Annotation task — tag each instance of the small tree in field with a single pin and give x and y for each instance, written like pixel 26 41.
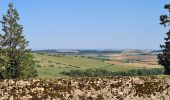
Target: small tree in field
pixel 16 61
pixel 164 58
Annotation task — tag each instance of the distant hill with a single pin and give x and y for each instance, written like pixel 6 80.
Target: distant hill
pixel 156 51
pixel 79 52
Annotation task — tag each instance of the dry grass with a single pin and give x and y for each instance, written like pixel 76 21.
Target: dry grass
pixel 140 61
pixel 111 88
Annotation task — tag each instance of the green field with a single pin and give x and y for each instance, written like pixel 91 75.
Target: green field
pixel 53 65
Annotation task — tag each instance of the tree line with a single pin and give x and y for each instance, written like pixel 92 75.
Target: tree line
pixel 107 73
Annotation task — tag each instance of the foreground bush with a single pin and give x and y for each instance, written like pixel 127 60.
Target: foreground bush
pixel 105 73
pixel 110 88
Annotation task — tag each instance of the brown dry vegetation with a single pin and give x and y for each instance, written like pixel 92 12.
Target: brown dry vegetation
pixel 140 61
pixel 113 88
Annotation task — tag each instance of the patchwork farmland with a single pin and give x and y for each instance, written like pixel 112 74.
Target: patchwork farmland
pixel 52 64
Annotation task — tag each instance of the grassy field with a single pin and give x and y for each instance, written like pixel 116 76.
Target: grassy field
pixel 53 65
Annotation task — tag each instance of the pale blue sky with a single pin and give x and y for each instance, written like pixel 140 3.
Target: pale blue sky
pixel 91 24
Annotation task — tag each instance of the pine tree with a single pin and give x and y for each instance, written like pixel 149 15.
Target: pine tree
pixel 16 61
pixel 164 58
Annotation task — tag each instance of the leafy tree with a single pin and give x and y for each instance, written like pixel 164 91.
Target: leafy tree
pixel 16 61
pixel 164 58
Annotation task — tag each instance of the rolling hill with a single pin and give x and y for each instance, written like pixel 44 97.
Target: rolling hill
pixel 52 65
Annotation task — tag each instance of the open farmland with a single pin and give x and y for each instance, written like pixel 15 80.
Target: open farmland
pixel 140 61
pixel 51 65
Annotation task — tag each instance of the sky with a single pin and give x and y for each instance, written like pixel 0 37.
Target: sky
pixel 90 24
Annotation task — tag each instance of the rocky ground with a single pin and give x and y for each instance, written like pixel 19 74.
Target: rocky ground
pixel 112 88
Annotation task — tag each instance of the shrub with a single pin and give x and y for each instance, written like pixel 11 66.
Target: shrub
pixel 105 73
pixel 41 53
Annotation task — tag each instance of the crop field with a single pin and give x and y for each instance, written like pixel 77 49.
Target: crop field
pixel 140 61
pixel 51 65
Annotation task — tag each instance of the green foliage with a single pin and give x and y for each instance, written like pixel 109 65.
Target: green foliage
pixel 16 61
pixel 105 73
pixel 164 58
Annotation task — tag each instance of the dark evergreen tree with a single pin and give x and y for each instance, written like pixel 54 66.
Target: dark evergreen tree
pixel 16 61
pixel 164 58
